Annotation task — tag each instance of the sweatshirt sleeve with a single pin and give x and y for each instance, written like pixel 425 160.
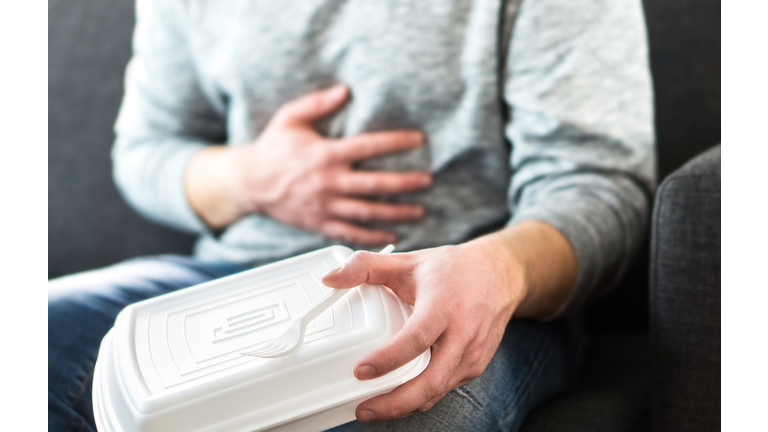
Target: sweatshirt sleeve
pixel 166 117
pixel 579 94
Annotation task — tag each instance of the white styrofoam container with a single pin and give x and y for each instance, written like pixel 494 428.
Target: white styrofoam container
pixel 173 363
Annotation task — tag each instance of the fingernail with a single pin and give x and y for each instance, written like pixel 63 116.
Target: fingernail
pixel 366 372
pixel 417 212
pixel 337 91
pixel 425 181
pixel 416 138
pixel 366 416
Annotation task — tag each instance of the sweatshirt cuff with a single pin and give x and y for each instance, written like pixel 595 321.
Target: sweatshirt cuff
pixel 174 193
pixel 151 177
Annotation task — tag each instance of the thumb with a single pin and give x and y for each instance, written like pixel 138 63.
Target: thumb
pixel 313 106
pixel 373 268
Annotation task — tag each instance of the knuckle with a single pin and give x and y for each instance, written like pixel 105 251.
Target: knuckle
pixel 473 365
pixel 365 144
pixel 402 182
pixel 363 257
pixel 467 335
pixel 373 183
pixel 475 372
pixel 408 212
pixel 364 214
pixel 424 407
pixel 412 182
pixel 330 154
pixel 319 209
pixel 472 360
pixel 324 154
pixel 322 182
pixel 420 339
pixel 363 141
pixel 392 412
pixel 432 388
pixel 287 111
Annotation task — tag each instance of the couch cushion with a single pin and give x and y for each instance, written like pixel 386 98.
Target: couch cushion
pixel 89 224
pixel 685 298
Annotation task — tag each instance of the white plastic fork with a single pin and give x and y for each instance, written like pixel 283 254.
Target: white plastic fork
pixel 292 339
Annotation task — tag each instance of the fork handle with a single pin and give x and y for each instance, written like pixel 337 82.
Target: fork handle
pixel 330 298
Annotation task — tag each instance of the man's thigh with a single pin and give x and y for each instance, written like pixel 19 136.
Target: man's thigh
pixel 534 362
pixel 83 307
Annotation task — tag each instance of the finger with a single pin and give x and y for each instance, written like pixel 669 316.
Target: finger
pixel 378 183
pixel 427 406
pixel 313 106
pixel 419 333
pixel 349 233
pixel 368 267
pixel 432 384
pixel 366 211
pixel 458 382
pixel 372 144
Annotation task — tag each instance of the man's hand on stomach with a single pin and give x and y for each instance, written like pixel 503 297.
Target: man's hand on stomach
pixel 296 176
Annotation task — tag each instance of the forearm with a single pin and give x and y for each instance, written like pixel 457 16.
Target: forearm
pixel 583 156
pixel 541 261
pixel 166 119
pixel 149 173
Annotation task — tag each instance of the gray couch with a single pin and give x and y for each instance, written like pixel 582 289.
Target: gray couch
pixel 685 297
pixel 654 358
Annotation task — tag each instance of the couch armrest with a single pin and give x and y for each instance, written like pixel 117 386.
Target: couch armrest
pixel 685 298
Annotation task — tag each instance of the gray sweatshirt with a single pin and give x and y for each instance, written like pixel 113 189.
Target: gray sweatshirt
pixel 535 111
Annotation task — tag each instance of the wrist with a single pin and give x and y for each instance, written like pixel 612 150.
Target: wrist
pixel 504 262
pixel 542 263
pixel 212 185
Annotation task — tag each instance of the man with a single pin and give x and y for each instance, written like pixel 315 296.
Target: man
pixel 507 147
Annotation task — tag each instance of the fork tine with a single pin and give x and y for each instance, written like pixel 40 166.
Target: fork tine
pixel 275 346
pixel 281 353
pixel 273 354
pixel 263 349
pixel 278 351
pixel 284 352
pixel 256 353
pixel 266 354
pixel 262 352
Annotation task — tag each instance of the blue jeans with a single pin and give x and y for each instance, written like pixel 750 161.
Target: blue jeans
pixel 534 362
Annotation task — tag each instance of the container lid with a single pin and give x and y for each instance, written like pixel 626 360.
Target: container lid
pixel 173 362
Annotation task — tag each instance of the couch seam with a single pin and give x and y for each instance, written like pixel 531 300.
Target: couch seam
pixel 653 324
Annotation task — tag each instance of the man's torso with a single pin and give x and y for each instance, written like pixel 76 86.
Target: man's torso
pixel 428 65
